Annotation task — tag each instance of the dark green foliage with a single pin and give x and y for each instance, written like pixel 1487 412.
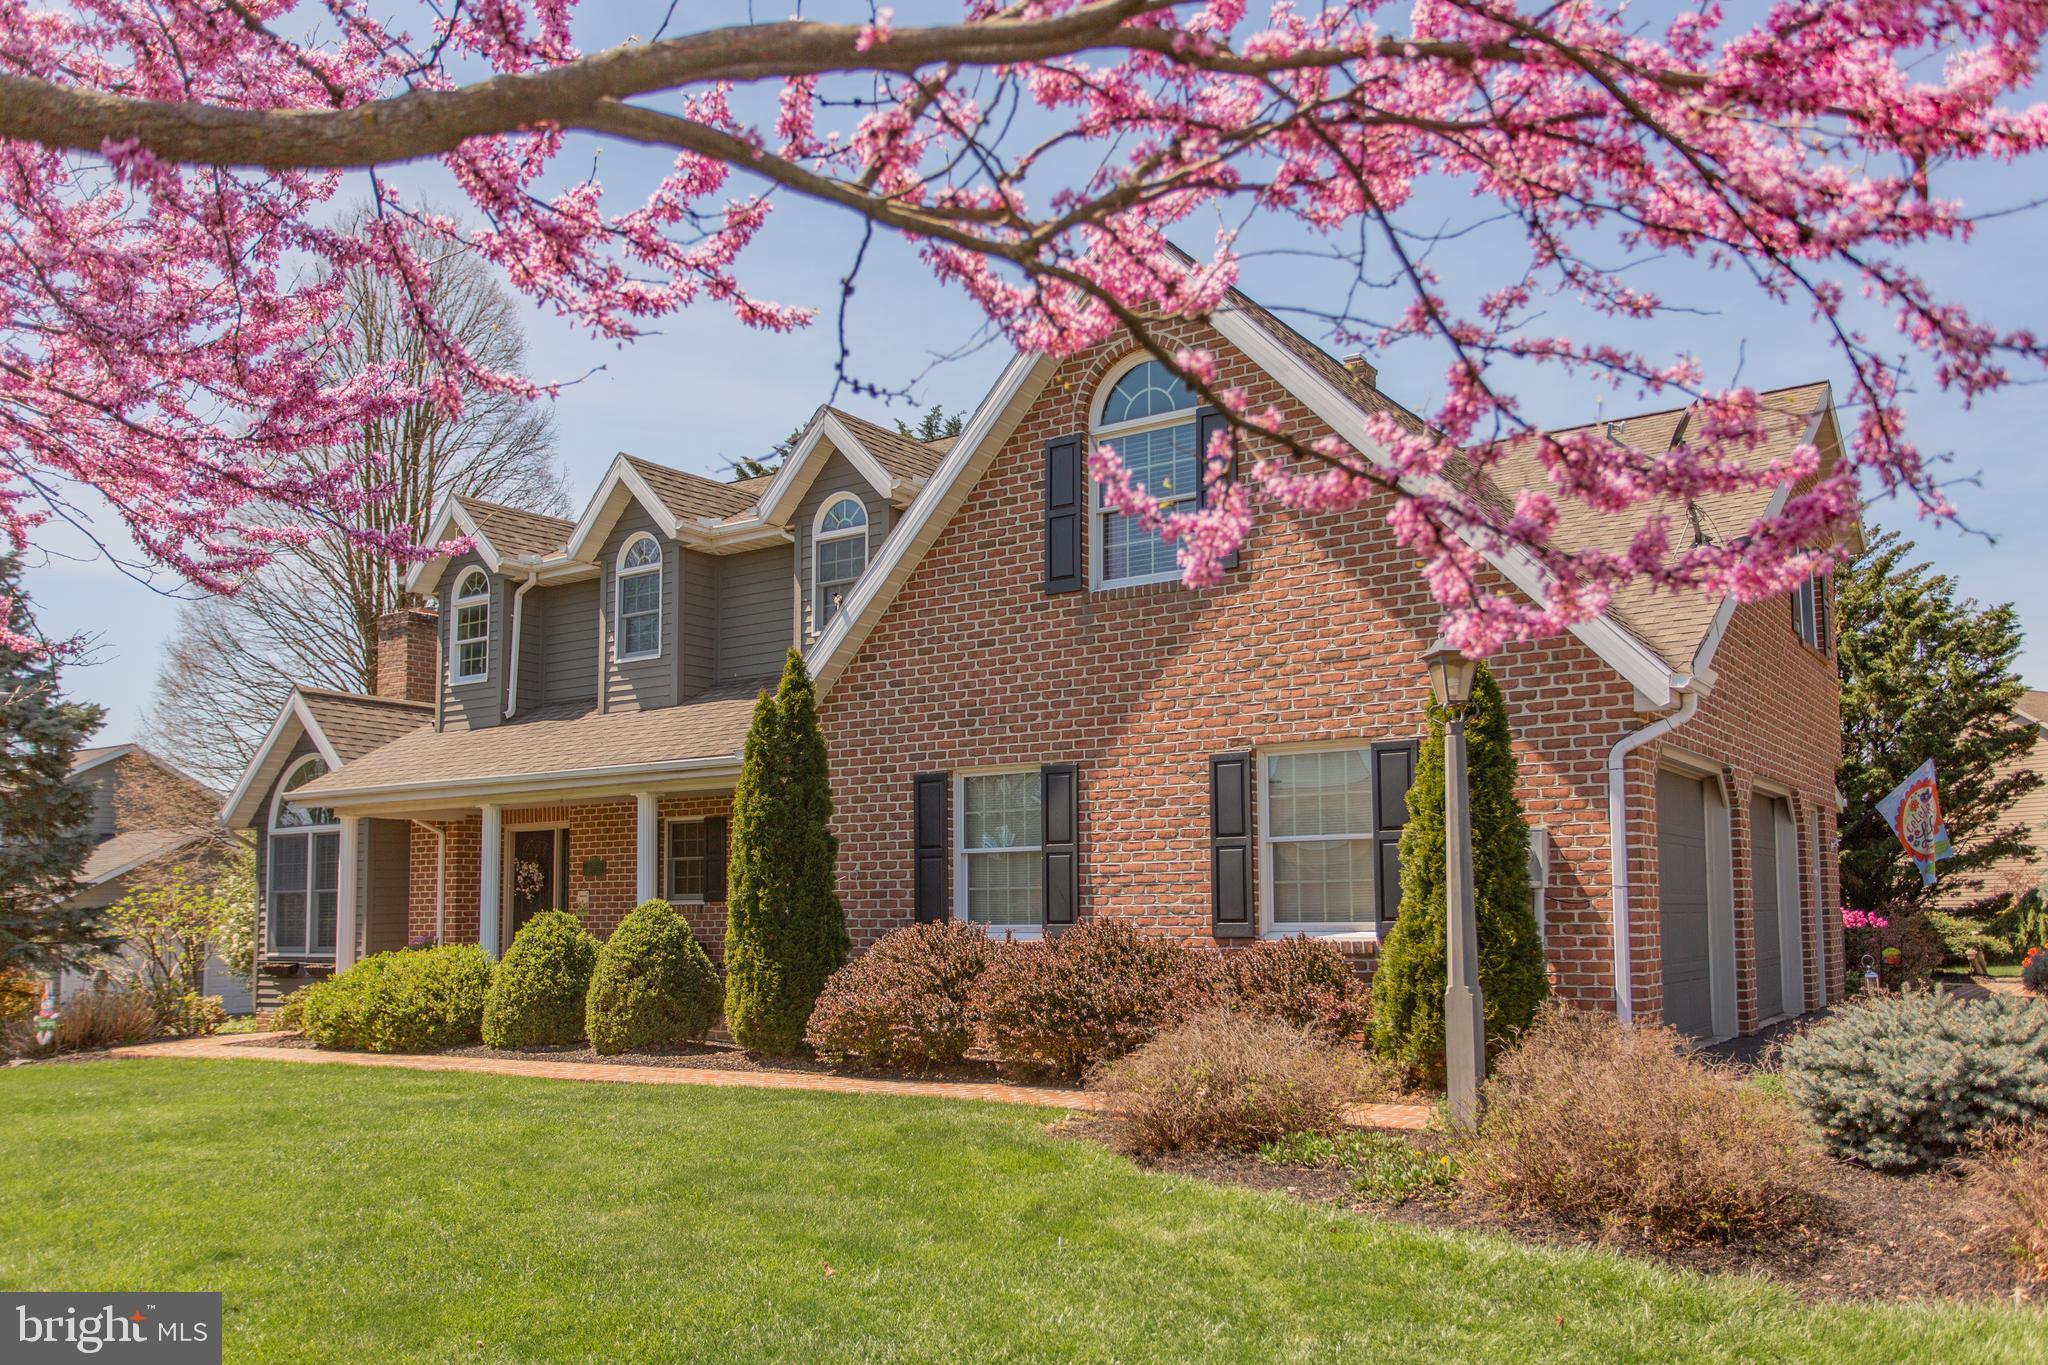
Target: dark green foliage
pixel 46 820
pixel 1959 936
pixel 1408 988
pixel 537 992
pixel 1926 674
pixel 654 987
pixel 785 932
pixel 906 1001
pixel 1903 1081
pixel 410 1001
pixel 935 425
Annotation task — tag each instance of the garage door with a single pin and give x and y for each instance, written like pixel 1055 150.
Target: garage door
pixel 1682 898
pixel 1766 917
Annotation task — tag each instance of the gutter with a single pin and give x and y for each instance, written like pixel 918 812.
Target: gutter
pixel 1617 833
pixel 469 790
pixel 512 661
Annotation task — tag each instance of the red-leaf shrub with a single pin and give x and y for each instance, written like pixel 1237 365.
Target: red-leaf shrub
pixel 905 1001
pixel 1091 993
pixel 1302 981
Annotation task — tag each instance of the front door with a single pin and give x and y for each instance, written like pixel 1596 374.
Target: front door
pixel 537 857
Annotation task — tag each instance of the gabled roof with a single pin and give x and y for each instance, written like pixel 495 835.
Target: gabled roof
pixel 122 854
pixel 343 727
pixel 692 497
pixel 2033 706
pixel 515 532
pixel 906 457
pixel 84 760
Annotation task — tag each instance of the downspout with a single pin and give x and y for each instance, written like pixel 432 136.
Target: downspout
pixel 1617 829
pixel 512 662
pixel 440 879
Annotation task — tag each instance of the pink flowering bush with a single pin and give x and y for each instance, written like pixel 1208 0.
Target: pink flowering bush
pixel 1904 948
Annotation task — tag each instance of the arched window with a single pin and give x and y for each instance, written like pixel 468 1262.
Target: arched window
pixel 302 875
pixel 473 627
pixel 839 554
pixel 639 610
pixel 1147 415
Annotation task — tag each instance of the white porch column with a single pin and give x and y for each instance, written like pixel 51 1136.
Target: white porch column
pixel 345 895
pixel 646 850
pixel 488 895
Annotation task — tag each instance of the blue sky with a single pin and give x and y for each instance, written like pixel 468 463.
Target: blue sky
pixel 705 389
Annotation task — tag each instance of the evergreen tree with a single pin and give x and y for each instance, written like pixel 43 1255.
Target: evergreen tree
pixel 936 424
pixel 785 932
pixel 1928 674
pixel 46 819
pixel 1408 987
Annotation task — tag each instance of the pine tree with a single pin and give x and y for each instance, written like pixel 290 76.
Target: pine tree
pixel 1408 987
pixel 46 818
pixel 1928 674
pixel 936 424
pixel 785 932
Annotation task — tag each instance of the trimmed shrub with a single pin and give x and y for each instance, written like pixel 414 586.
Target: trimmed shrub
pixel 1230 1080
pixel 104 1017
pixel 1303 981
pixel 905 1001
pixel 537 992
pixel 1903 1081
pixel 1959 937
pixel 405 1001
pixel 654 986
pixel 1600 1126
pixel 2005 1184
pixel 290 1014
pixel 1088 995
pixel 785 932
pixel 1408 987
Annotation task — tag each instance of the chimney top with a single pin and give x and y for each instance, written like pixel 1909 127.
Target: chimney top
pixel 408 640
pixel 1363 368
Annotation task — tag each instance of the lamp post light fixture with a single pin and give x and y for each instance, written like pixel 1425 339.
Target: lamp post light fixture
pixel 1451 676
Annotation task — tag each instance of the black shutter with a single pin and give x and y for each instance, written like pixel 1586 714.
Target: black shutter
pixel 714 859
pixel 1821 584
pixel 1065 500
pixel 1208 422
pixel 1059 813
pixel 1230 846
pixel 1393 772
pixel 933 866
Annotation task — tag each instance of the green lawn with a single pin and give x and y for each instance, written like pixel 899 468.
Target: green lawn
pixel 381 1215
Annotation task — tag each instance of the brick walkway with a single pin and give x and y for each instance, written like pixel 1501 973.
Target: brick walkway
pixel 247 1047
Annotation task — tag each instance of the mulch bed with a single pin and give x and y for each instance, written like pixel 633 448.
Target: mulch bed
pixel 1875 1237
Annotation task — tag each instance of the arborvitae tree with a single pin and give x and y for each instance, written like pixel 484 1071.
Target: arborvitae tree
pixel 785 932
pixel 1926 674
pixel 1408 988
pixel 46 818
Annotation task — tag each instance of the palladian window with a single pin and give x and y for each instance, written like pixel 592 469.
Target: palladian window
pixel 640 599
pixel 840 555
pixel 1148 417
pixel 473 627
pixel 302 879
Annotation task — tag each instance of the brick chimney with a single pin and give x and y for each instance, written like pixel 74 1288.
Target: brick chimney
pixel 1363 368
pixel 406 666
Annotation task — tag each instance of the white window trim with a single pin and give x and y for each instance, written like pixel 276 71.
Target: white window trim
pixel 1098 431
pixel 961 853
pixel 455 641
pixel 819 537
pixel 273 832
pixel 620 573
pixel 1348 931
pixel 668 865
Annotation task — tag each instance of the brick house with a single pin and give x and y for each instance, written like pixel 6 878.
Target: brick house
pixel 1030 721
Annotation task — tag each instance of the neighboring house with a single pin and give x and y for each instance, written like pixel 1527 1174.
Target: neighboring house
pixel 147 818
pixel 1031 722
pixel 2016 876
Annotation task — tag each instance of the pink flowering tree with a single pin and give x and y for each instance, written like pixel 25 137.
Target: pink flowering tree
pixel 168 308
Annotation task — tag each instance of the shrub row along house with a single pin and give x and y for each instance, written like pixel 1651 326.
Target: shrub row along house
pixel 1031 722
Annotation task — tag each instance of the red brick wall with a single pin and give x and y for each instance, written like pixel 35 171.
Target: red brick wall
pixel 1316 635
pixel 406 646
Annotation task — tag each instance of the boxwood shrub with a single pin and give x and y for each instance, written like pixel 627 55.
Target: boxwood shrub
pixel 1905 1081
pixel 537 992
pixel 905 1001
pixel 654 986
pixel 402 1002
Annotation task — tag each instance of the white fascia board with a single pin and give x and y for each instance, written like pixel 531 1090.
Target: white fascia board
pixel 451 520
pixel 1634 661
pixel 478 789
pixel 797 472
pixel 915 530
pixel 620 481
pixel 294 712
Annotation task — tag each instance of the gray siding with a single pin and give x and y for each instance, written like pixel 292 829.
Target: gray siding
pixel 755 613
pixel 563 621
pixel 836 476
pixel 640 684
pixel 700 588
pixel 472 706
pixel 102 781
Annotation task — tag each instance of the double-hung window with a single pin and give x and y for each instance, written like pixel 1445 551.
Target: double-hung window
pixel 1810 611
pixel 302 880
pixel 1000 877
pixel 840 555
pixel 1319 840
pixel 688 860
pixel 1148 416
pixel 473 627
pixel 639 609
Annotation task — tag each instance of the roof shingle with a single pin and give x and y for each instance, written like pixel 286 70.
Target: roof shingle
pixel 355 724
pixel 903 456
pixel 516 531
pixel 692 496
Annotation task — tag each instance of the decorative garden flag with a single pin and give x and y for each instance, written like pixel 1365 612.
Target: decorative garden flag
pixel 1913 810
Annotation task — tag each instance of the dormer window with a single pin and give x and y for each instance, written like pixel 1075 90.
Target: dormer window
pixel 473 627
pixel 839 555
pixel 639 589
pixel 1147 415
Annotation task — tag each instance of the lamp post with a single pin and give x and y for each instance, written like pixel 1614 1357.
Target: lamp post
pixel 1451 675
